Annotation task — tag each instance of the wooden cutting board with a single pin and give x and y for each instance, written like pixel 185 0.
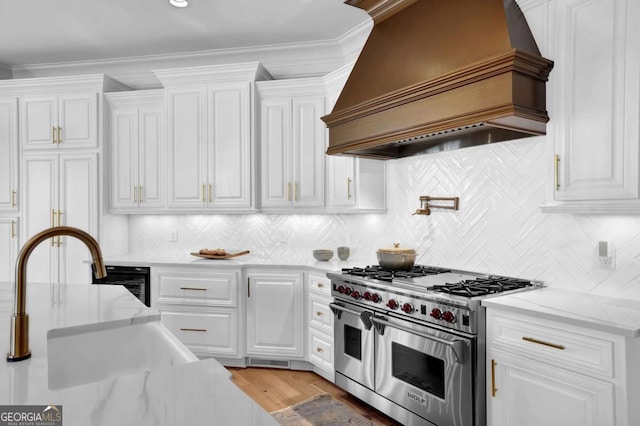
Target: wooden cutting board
pixel 226 256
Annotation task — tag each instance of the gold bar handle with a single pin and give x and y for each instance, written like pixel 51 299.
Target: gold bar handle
pixel 139 195
pixel 493 378
pixel 13 198
pixel 288 191
pixel 59 134
pixel 13 229
pixel 135 194
pixel 556 180
pixel 193 288
pixel 210 192
pixel 59 237
pixel 248 287
pixel 202 330
pixel 295 191
pixel 204 200
pixel 349 188
pixel 542 342
pixel 53 135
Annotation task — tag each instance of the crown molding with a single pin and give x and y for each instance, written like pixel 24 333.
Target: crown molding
pixel 290 60
pixel 5 72
pixel 248 71
pixel 72 83
pixel 136 98
pixel 307 86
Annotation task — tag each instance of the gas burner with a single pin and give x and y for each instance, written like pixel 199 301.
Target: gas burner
pixel 481 286
pixel 380 273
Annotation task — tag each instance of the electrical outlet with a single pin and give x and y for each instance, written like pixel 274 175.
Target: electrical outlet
pixel 604 255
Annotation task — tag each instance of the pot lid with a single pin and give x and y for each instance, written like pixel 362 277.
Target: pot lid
pixel 396 249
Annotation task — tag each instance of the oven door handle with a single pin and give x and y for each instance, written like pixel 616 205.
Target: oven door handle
pixel 456 345
pixel 365 316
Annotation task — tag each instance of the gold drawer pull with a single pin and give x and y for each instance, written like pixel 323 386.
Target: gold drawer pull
pixel 202 330
pixel 318 313
pixel 320 285
pixel 13 198
pixel 318 349
pixel 542 342
pixel 193 288
pixel 493 378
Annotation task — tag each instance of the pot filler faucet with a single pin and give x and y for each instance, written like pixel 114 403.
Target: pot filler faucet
pixel 19 339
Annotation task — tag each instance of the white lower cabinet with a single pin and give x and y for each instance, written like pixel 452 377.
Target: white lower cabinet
pixel 542 372
pixel 200 306
pixel 320 317
pixel 275 314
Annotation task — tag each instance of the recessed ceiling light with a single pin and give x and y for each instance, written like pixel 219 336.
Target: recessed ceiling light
pixel 179 3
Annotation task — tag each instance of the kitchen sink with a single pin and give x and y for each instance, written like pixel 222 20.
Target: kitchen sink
pixel 91 356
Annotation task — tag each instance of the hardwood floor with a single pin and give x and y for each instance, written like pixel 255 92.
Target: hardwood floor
pixel 275 389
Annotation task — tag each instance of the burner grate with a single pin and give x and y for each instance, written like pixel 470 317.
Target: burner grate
pixel 380 273
pixel 481 286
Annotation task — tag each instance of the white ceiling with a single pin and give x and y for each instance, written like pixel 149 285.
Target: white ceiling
pixel 54 31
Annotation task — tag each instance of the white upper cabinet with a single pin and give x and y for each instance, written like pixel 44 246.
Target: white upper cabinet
pixel 66 121
pixel 210 127
pixel 292 142
pixel 137 151
pixel 356 184
pixel 596 106
pixel 8 154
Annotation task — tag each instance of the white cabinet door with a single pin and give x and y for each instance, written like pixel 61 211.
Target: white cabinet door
pixel 66 121
pixel 275 139
pixel 596 80
pixel 308 151
pixel 59 189
pixel 356 185
pixel 8 251
pixel 187 143
pixel 532 393
pixel 124 158
pixel 275 321
pixel 340 181
pixel 39 183
pixel 150 157
pixel 229 147
pixel 8 154
pixel 77 207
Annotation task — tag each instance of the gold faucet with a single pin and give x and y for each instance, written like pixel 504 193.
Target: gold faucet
pixel 19 342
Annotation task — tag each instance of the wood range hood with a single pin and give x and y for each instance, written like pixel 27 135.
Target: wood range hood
pixel 438 75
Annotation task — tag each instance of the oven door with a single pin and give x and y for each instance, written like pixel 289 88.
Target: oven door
pixel 353 342
pixel 425 370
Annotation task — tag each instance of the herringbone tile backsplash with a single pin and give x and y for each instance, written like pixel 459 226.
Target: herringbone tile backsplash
pixel 499 228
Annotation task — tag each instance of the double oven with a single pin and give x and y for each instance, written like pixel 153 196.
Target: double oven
pixel 412 352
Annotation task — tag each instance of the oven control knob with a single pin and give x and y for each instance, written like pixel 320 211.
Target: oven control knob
pixel 347 290
pixel 376 298
pixel 436 313
pixel 393 304
pixel 356 295
pixel 341 289
pixel 367 295
pixel 407 308
pixel 448 316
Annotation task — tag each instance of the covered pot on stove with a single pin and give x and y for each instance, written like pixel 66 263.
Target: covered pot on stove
pixel 396 258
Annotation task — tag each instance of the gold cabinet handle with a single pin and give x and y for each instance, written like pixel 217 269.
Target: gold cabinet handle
pixel 53 135
pixel 542 342
pixel 556 180
pixel 318 313
pixel 59 242
pixel 318 349
pixel 202 330
pixel 320 285
pixel 349 188
pixel 295 191
pixel 203 199
pixel 13 229
pixel 493 378
pixel 288 191
pixel 210 192
pixel 13 198
pixel 193 288
pixel 248 287
pixel 59 134
pixel 139 195
pixel 135 194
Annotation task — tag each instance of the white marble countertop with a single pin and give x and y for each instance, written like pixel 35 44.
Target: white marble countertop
pixel 594 311
pixel 196 393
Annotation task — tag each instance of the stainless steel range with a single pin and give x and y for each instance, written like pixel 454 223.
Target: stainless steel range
pixel 412 343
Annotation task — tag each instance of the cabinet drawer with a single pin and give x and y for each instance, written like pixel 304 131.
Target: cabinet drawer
pixel 219 289
pixel 321 350
pixel 211 333
pixel 571 347
pixel 319 284
pixel 320 315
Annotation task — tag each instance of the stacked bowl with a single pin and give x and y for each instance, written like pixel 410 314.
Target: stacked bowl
pixel 323 254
